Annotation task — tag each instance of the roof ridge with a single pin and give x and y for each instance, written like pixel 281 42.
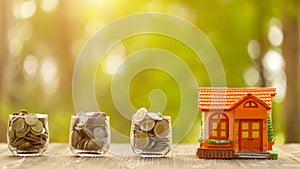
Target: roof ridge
pixel 224 98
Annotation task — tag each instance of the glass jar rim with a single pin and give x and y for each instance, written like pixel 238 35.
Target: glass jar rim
pixel 39 115
pixel 88 116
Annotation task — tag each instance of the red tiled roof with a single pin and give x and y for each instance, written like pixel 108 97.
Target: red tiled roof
pixel 226 98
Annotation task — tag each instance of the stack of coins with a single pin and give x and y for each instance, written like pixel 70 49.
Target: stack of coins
pixel 150 133
pixel 90 133
pixel 27 133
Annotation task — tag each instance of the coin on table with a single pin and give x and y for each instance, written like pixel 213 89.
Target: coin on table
pixel 147 124
pixel 31 119
pixel 154 116
pixel 141 140
pixel 140 115
pixel 37 128
pixel 19 124
pixel 161 129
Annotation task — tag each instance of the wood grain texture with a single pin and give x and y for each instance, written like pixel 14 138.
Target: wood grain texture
pixel 59 156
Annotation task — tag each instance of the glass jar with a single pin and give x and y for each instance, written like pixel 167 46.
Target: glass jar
pixel 27 133
pixel 151 136
pixel 89 134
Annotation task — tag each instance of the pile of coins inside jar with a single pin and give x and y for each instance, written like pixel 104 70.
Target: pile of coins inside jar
pixel 89 133
pixel 150 133
pixel 28 133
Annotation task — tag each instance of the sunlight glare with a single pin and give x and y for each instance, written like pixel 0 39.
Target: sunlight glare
pixel 49 5
pixel 114 58
pixel 49 75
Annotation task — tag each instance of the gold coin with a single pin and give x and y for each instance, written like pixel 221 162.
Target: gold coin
pixel 21 134
pixel 31 119
pixel 91 145
pixel 19 142
pixel 11 135
pixel 99 133
pixel 161 129
pixel 33 136
pixel 100 120
pixel 24 145
pixel 80 143
pixel 35 140
pixel 83 119
pixel 44 141
pixel 88 133
pixel 38 127
pixel 155 116
pixel 18 125
pixel 147 124
pixel 99 143
pixel 139 115
pixel 151 145
pixel 44 136
pixel 141 140
pixel 25 129
pixel 75 137
pixel 23 112
pixel 20 113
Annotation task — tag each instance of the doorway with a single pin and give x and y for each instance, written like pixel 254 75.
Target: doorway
pixel 250 135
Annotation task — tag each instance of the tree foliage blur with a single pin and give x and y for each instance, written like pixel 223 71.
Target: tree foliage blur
pixel 41 40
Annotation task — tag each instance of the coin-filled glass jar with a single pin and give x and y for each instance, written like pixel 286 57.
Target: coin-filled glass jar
pixel 27 133
pixel 89 134
pixel 151 134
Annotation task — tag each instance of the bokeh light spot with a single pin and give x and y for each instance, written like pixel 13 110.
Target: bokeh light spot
pixel 254 49
pixel 49 5
pixel 30 65
pixel 275 36
pixel 251 76
pixel 28 9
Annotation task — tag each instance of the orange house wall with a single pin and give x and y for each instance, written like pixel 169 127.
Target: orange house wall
pixel 234 124
pixel 262 115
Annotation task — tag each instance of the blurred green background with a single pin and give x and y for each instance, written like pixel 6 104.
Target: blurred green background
pixel 257 42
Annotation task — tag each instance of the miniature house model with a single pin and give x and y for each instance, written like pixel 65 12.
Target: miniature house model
pixel 236 123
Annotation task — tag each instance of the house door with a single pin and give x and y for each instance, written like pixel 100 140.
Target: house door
pixel 250 135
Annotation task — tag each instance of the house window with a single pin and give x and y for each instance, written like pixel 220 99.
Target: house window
pixel 250 104
pixel 250 130
pixel 218 126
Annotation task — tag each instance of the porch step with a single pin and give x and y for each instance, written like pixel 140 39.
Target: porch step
pixel 257 155
pixel 231 153
pixel 215 153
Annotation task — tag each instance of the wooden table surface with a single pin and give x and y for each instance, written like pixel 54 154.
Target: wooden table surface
pixel 182 156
